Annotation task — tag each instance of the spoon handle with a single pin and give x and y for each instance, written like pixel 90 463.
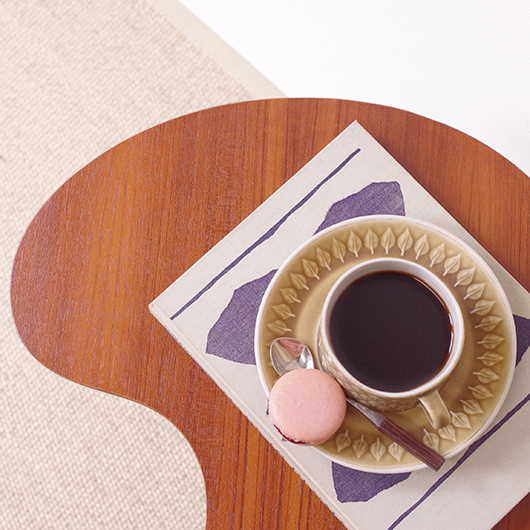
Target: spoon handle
pixel 400 436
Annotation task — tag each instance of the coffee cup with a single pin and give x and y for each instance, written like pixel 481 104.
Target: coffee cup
pixel 391 333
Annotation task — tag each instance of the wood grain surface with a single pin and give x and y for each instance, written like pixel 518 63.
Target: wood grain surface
pixel 131 222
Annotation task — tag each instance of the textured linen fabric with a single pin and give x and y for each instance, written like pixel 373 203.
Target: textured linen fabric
pixel 76 79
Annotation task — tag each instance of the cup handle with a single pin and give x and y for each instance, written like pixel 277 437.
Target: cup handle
pixel 435 410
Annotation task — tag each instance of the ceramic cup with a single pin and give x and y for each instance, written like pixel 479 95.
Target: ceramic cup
pixel 426 392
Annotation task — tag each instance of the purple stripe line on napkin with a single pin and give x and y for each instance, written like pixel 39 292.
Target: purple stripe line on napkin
pixel 472 448
pixel 265 236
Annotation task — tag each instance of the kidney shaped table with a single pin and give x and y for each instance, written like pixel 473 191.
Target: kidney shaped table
pixel 126 226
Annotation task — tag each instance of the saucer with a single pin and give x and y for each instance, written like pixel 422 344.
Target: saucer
pixel 292 306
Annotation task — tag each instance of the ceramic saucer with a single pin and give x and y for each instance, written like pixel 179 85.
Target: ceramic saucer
pixel 293 303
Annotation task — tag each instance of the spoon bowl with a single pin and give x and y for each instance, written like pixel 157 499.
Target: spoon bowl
pixel 290 354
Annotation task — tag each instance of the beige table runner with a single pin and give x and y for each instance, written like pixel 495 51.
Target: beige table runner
pixel 76 79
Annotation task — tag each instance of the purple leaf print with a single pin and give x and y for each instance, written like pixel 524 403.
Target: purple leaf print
pixel 377 198
pixel 232 336
pixel 522 328
pixel 359 486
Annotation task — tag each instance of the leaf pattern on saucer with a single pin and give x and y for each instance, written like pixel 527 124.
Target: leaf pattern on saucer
pixel 354 243
pixel 448 433
pixel 396 451
pixel 483 307
pixel 452 265
pixel 289 295
pixel 465 277
pixel 360 447
pixel 480 392
pixel 343 440
pixel 378 449
pixel 491 358
pixel 323 259
pixel 371 240
pixel 489 323
pixel 475 291
pixel 405 241
pixel 432 440
pixel 338 249
pixel 486 375
pixel 437 255
pixel 471 406
pixel 460 420
pixel 283 311
pixel 491 341
pixel 421 247
pixel 388 240
pixel 310 269
pixel 299 281
pixel 279 327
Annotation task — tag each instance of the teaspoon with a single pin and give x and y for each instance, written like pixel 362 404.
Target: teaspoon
pixel 290 354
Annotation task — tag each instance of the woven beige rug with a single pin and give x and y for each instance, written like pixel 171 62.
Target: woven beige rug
pixel 76 79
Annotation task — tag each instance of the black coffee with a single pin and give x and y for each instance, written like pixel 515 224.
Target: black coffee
pixel 391 331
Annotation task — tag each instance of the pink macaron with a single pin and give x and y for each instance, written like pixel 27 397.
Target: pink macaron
pixel 307 406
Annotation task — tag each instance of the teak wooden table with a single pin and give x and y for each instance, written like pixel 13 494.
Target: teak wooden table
pixel 131 222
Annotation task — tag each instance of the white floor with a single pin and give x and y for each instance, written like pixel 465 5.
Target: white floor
pixel 465 63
